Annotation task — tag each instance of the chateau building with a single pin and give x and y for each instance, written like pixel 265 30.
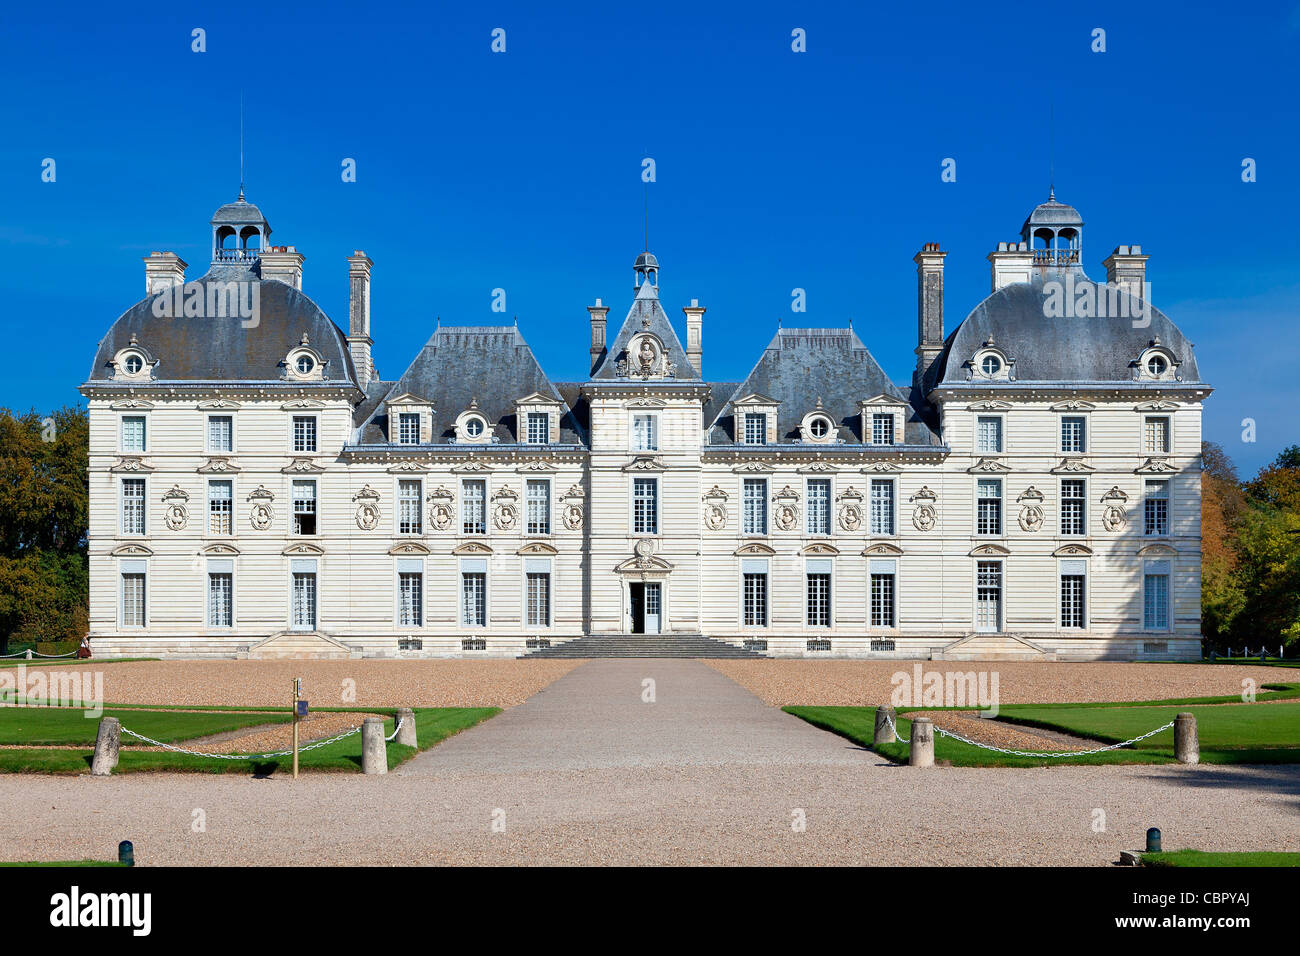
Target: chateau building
pixel 257 489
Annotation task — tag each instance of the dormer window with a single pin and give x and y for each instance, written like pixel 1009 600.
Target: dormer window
pixel 537 418
pixel 408 428
pixel 755 428
pixel 410 419
pixel 304 364
pixel 133 363
pixel 820 427
pixel 817 426
pixel 539 428
pixel 882 428
pixel 1156 363
pixel 991 365
pixel 474 427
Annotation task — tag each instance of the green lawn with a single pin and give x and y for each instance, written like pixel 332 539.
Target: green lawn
pixel 65 661
pixel 433 725
pixel 1201 858
pixel 1258 733
pixel 64 726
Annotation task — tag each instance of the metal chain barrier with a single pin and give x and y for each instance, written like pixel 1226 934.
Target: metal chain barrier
pixel 30 654
pixel 279 753
pixel 1032 753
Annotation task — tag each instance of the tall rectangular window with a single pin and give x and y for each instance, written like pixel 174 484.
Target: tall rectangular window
pixel 538 504
pixel 988 432
pixel 1074 515
pixel 133 433
pixel 819 599
pixel 304 433
pixel 1155 596
pixel 755 598
pixel 882 506
pixel 304 507
pixel 133 506
pixel 988 596
pixel 1155 435
pixel 882 599
pixel 221 433
pixel 882 428
pixel 988 518
pixel 645 506
pixel 1155 508
pixel 1072 600
pixel 819 506
pixel 303 610
pixel 645 433
pixel 473 504
pixel 221 599
pixel 1072 434
pixel 755 506
pixel 538 587
pixel 410 598
pixel 409 514
pixel 221 503
pixel 133 599
pixel 539 428
pixel 473 598
pixel 755 428
pixel 408 428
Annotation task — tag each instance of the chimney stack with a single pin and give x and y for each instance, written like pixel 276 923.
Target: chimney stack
pixel 162 270
pixel 1012 262
pixel 1126 267
pixel 929 307
pixel 597 313
pixel 283 263
pixel 694 333
pixel 359 340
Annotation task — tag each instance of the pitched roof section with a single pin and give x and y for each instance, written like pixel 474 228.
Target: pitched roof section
pixel 800 367
pixel 492 365
pixel 647 315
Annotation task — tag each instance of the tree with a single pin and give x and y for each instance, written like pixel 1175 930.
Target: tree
pixel 44 508
pixel 1222 504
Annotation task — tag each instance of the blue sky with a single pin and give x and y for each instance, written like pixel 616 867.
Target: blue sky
pixel 775 169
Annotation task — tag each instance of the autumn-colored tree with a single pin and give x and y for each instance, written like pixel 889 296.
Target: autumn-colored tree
pixel 44 504
pixel 1222 505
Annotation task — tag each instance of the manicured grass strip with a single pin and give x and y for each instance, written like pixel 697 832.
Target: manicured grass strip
pixel 67 726
pixel 858 724
pixel 1267 692
pixel 433 725
pixel 85 662
pixel 1201 858
pixel 1246 733
pixel 79 863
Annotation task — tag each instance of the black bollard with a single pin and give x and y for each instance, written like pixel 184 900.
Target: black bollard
pixel 1153 840
pixel 126 853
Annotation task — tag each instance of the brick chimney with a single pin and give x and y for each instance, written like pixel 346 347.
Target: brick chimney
pixel 694 335
pixel 162 270
pixel 359 340
pixel 929 306
pixel 1126 267
pixel 1012 262
pixel 597 313
pixel 283 263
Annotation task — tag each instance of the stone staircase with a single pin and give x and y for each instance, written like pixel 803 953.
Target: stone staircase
pixel 644 645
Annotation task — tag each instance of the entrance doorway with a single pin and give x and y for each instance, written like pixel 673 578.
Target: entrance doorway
pixel 646 600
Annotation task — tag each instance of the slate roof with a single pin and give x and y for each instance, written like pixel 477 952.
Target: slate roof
pixel 220 349
pixel 492 365
pixel 648 315
pixel 1049 350
pixel 800 366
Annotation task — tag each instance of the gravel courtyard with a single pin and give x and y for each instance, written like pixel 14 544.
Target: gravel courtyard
pixel 868 683
pixel 588 771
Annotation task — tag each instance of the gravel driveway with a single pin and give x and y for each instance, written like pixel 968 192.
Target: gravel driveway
pixel 587 773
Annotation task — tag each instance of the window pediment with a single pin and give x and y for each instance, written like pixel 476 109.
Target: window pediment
pixel 990 364
pixel 134 363
pixel 304 363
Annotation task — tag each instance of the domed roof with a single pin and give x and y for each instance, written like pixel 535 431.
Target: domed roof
pixel 223 349
pixel 1024 320
pixel 239 211
pixel 1053 213
pixel 646 261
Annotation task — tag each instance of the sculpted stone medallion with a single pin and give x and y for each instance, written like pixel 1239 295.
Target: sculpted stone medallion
pixel 924 517
pixel 851 517
pixel 260 516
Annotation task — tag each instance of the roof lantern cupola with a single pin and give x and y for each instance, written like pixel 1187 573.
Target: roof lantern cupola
pixel 1054 233
pixel 239 232
pixel 647 274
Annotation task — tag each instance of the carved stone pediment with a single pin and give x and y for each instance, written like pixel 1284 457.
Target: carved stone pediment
pixel 817 468
pixel 882 549
pixel 988 466
pixel 1072 551
pixel 407 468
pixel 989 551
pixel 131 463
pixel 366 494
pixel 880 466
pixel 302 548
pixel 218 465
pixel 538 547
pixel 819 548
pixel 176 493
pixel 752 466
pixel 575 491
pixel 925 494
pixel 471 466
pixel 261 492
pixel 131 551
pixel 220 550
pixel 1030 494
pixel 471 547
pixel 1155 466
pixel 302 466
pixel 1072 466
pixel 409 548
pixel 1073 405
pixel 644 463
pixel 849 494
pixel 1157 551
pixel 536 466
pixel 755 549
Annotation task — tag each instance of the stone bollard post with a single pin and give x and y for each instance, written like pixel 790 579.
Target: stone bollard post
pixel 1187 742
pixel 886 721
pixel 374 750
pixel 406 734
pixel 921 751
pixel 108 744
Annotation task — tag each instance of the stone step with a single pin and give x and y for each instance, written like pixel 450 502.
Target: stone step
pixel 643 645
